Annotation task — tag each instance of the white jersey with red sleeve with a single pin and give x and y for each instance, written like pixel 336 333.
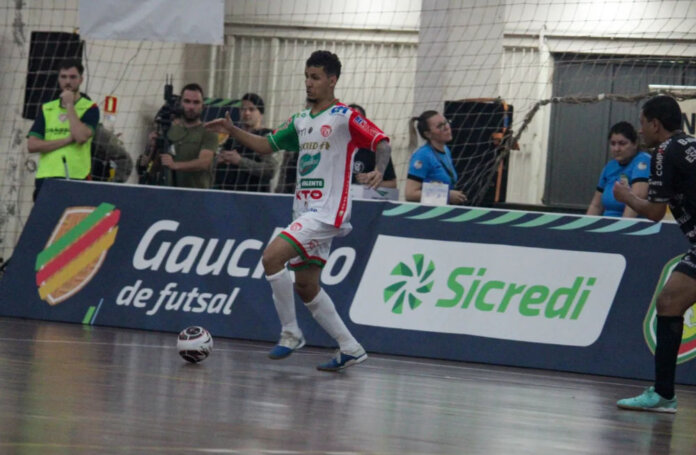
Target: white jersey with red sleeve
pixel 326 144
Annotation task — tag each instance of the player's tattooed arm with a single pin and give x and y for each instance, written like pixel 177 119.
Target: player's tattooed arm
pixel 382 155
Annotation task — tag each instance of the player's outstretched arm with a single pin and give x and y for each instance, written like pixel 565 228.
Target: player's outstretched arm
pixel 257 143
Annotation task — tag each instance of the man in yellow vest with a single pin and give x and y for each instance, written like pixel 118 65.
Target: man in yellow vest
pixel 62 131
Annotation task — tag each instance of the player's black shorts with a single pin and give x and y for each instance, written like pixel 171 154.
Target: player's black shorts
pixel 687 265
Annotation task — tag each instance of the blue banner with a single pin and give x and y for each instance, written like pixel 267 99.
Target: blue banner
pixel 519 288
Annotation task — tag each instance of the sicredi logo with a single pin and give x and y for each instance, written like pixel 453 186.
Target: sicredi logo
pixel 497 291
pixel 687 349
pixel 75 251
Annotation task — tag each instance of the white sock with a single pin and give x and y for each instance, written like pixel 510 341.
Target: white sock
pixel 284 301
pixel 324 312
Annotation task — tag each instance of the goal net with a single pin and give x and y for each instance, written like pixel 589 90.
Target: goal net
pixel 530 87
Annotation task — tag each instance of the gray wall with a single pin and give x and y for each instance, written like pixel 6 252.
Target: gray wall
pixel 578 148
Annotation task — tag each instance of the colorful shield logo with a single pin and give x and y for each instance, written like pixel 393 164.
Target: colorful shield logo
pixel 75 251
pixel 687 349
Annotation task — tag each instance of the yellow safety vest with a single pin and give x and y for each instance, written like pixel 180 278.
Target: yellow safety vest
pixel 77 156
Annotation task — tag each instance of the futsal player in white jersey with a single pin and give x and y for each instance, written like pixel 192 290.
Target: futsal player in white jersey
pixel 326 136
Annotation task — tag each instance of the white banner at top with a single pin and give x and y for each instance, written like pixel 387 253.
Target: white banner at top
pixel 180 21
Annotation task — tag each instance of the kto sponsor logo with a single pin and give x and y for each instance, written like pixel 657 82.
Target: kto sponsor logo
pixel 75 251
pixel 497 291
pixel 303 195
pixel 687 350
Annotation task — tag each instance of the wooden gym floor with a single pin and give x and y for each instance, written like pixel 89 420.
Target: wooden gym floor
pixel 71 389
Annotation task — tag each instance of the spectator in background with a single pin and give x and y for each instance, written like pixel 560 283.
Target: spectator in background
pixel 287 177
pixel 192 148
pixel 432 162
pixel 62 131
pixel 629 166
pixel 288 173
pixel 110 160
pixel 364 163
pixel 238 167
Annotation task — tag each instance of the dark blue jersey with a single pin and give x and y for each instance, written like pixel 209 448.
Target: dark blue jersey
pixel 673 180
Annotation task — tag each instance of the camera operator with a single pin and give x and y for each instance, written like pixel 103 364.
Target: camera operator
pixel 191 149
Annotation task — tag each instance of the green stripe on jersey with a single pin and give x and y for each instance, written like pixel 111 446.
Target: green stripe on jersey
pixel 285 137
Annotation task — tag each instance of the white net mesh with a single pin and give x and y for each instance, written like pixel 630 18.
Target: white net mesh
pixel 530 86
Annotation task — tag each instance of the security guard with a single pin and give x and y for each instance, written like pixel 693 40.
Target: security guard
pixel 62 131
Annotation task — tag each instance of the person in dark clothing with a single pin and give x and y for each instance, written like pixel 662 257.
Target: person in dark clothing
pixel 672 183
pixel 238 167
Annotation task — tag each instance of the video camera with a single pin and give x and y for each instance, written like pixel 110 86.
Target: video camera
pixel 169 111
pixel 153 173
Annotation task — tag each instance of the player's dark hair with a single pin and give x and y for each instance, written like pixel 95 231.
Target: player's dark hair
pixel 256 100
pixel 68 63
pixel 358 108
pixel 326 60
pixel 421 122
pixel 194 88
pixel 666 110
pixel 625 129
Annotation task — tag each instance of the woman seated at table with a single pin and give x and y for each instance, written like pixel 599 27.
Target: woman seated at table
pixel 629 165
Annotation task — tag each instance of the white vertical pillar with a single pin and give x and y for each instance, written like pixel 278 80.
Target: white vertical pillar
pixel 212 70
pixel 545 87
pixel 460 51
pixel 230 60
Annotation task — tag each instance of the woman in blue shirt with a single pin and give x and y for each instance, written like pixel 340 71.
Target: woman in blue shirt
pixel 433 161
pixel 628 166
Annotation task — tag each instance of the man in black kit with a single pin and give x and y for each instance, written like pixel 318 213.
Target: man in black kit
pixel 673 183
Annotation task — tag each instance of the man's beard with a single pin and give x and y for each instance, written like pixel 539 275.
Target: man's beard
pixel 311 100
pixel 194 117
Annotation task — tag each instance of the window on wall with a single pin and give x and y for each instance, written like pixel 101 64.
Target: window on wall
pixel 578 148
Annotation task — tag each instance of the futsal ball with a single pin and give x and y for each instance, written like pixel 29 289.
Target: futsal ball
pixel 194 344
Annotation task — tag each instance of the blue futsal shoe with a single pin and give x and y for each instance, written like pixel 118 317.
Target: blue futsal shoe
pixel 343 360
pixel 649 400
pixel 287 345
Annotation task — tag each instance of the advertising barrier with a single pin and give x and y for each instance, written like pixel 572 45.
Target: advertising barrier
pixel 530 289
